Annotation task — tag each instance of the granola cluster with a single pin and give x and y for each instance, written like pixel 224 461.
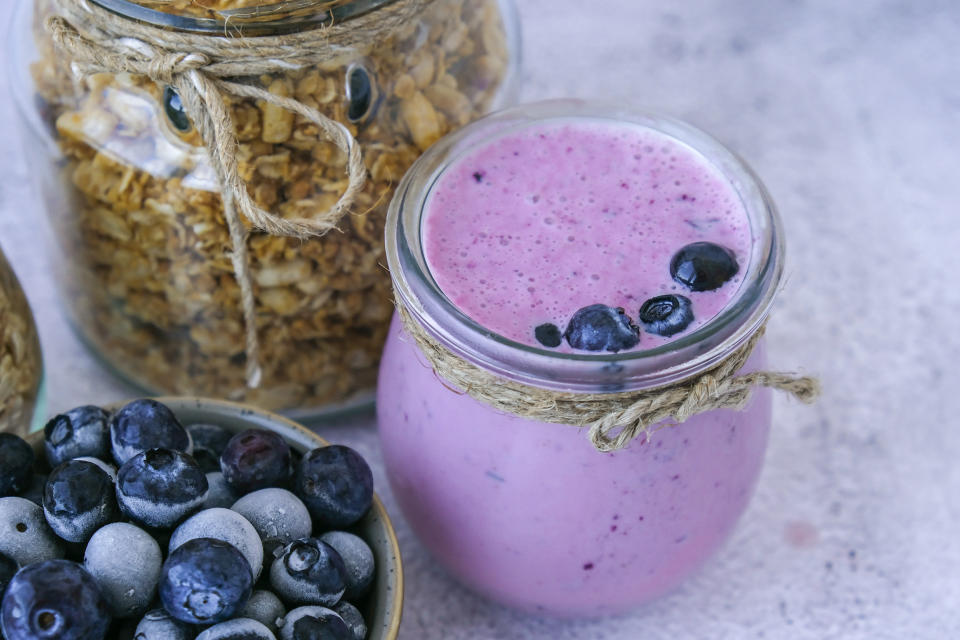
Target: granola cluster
pixel 145 247
pixel 21 366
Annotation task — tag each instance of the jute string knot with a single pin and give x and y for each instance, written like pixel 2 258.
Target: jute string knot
pixel 613 420
pixel 201 68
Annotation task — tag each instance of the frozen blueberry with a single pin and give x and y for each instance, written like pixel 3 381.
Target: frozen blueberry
pixel 548 334
pixel 352 617
pixel 256 459
pixel 703 266
pixel 34 492
pixel 79 499
pixel 209 441
pixel 125 561
pixel 598 327
pixel 146 424
pixel 314 623
pixel 160 625
pixel 205 581
pixel 265 607
pixel 222 524
pixel 238 629
pixel 160 487
pixel 25 536
pixel 666 315
pixel 16 464
pixel 8 567
pixel 357 559
pixel 83 431
pixel 219 494
pixel 308 571
pixel 278 516
pixel 54 600
pixel 336 484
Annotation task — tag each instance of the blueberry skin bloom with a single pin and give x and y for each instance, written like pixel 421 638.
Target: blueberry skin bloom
pixel 205 581
pixel 703 266
pixel 16 465
pixel 314 623
pixel 146 424
pixel 666 315
pixel 160 487
pixel 82 431
pixel 78 499
pixel 255 459
pixel 336 484
pixel 54 600
pixel 309 571
pixel 598 327
pixel 160 625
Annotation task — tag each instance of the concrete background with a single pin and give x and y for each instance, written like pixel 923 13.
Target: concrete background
pixel 850 111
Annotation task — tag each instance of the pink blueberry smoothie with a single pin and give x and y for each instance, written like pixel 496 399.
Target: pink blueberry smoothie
pixel 524 230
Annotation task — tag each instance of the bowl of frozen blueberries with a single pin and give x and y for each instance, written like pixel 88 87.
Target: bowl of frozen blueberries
pixel 191 519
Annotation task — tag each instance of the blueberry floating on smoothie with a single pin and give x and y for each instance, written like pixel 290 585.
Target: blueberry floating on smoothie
pixel 703 266
pixel 598 327
pixel 548 334
pixel 666 315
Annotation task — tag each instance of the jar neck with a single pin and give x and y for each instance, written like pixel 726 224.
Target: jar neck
pixel 684 357
pixel 271 17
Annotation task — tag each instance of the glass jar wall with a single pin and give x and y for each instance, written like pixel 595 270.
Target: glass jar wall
pixel 137 215
pixel 21 364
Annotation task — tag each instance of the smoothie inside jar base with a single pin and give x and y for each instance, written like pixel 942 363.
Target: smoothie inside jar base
pixel 524 230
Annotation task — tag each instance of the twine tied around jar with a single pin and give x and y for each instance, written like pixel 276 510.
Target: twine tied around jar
pixel 613 419
pixel 200 68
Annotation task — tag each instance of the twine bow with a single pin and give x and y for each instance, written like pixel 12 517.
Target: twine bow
pixel 198 67
pixel 613 419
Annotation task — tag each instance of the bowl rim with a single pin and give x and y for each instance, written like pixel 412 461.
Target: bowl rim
pixel 297 433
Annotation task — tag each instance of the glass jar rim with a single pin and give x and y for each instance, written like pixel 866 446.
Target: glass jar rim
pixel 271 18
pixel 582 372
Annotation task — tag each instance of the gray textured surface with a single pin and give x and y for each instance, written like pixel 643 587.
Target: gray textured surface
pixel 850 111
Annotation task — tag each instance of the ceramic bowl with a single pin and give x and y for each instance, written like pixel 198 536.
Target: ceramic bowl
pixel 382 608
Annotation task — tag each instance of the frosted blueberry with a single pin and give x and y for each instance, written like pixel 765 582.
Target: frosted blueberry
pixel 82 431
pixel 265 607
pixel 314 623
pixel 34 492
pixel 336 484
pixel 25 536
pixel 308 571
pixel 209 441
pixel 238 629
pixel 278 516
pixel 160 487
pixel 205 581
pixel 222 524
pixel 125 561
pixel 16 464
pixel 78 499
pixel 357 559
pixel 160 625
pixel 352 617
pixel 146 424
pixel 219 494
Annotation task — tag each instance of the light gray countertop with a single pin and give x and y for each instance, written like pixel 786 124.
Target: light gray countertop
pixel 850 112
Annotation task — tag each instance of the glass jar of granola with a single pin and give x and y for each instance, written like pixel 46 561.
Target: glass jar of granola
pixel 218 173
pixel 21 365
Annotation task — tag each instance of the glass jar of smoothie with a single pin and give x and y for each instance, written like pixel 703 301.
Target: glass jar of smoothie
pixel 583 250
pixel 21 363
pixel 144 246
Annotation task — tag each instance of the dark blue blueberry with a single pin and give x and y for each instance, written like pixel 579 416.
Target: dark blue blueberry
pixel 205 581
pixel 666 315
pixel 256 459
pixel 336 484
pixel 309 571
pixel 360 94
pixel 34 493
pixel 548 334
pixel 352 618
pixel 703 266
pixel 54 600
pixel 16 465
pixel 173 107
pixel 314 623
pixel 160 625
pixel 8 568
pixel 238 629
pixel 598 327
pixel 78 499
pixel 146 424
pixel 83 431
pixel 160 487
pixel 209 441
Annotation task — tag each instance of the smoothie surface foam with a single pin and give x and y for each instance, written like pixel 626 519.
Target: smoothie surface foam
pixel 531 226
